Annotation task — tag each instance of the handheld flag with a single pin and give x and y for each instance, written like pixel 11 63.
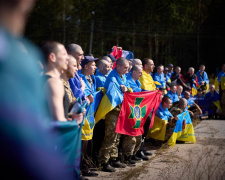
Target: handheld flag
pixel 134 111
pixel 186 134
pixel 89 122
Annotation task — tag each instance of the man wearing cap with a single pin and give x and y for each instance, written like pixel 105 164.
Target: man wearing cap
pixel 87 75
pixel 166 75
pixel 76 84
pixel 170 68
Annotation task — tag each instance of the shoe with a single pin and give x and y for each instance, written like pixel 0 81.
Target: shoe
pixel 90 174
pixel 142 156
pixel 117 164
pixel 108 168
pixel 128 160
pixel 147 153
pixel 135 158
pixel 83 178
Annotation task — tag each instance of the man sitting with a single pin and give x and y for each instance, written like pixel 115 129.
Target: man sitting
pixel 173 94
pixel 179 91
pixel 133 78
pixel 212 98
pixel 192 107
pixel 159 76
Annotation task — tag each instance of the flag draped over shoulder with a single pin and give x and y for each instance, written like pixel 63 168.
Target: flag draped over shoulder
pixel 89 122
pixel 68 143
pixel 186 134
pixel 113 95
pixel 134 111
pixel 147 82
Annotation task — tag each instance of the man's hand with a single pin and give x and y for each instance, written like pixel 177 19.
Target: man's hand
pixel 176 118
pixel 78 117
pixel 123 88
pixel 91 99
pixel 87 100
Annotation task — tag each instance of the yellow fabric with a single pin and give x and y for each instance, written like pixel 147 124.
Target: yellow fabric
pixel 187 134
pixel 147 82
pixel 217 103
pixel 104 107
pixel 87 132
pixel 216 84
pixel 159 129
pixel 194 91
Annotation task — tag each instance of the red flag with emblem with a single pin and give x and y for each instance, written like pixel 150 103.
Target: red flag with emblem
pixel 134 111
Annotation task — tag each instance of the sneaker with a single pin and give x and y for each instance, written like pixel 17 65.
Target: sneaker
pixel 142 156
pixel 90 174
pixel 135 158
pixel 108 168
pixel 117 164
pixel 147 153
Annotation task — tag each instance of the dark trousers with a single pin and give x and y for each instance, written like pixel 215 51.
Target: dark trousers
pixel 98 137
pixel 86 155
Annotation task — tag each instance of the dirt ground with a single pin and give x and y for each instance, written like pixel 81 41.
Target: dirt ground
pixel 203 160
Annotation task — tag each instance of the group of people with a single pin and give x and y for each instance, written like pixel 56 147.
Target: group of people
pixel 46 105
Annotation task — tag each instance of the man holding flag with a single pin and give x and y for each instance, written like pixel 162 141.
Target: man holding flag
pixel 109 107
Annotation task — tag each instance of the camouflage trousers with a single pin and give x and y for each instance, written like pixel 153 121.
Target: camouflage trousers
pixel 109 148
pixel 131 145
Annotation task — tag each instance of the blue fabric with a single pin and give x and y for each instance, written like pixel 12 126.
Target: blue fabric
pixel 202 78
pixel 27 144
pixel 163 114
pixel 112 84
pixel 214 97
pixel 160 79
pixel 89 89
pixel 75 86
pixel 127 54
pixel 169 74
pixel 190 103
pixel 200 100
pixel 167 78
pixel 100 80
pixel 221 74
pixel 174 97
pixel 135 85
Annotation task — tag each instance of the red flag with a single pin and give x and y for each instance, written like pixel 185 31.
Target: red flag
pixel 135 109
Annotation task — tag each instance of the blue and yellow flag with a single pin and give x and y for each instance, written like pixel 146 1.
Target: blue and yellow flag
pixel 89 122
pixel 186 134
pixel 113 96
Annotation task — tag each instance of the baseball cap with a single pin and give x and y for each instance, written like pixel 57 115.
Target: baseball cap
pixel 166 69
pixel 170 65
pixel 87 59
pixel 200 89
pixel 111 57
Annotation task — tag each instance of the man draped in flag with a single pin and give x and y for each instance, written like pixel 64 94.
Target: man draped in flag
pixel 87 75
pixel 203 80
pixel 163 122
pixel 212 102
pixel 217 83
pixel 109 107
pixel 131 144
pixel 191 80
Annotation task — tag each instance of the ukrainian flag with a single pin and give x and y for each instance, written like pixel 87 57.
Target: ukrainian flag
pixel 158 131
pixel 113 96
pixel 89 122
pixel 180 134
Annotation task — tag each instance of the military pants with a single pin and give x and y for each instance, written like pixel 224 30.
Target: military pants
pixel 131 145
pixel 109 148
